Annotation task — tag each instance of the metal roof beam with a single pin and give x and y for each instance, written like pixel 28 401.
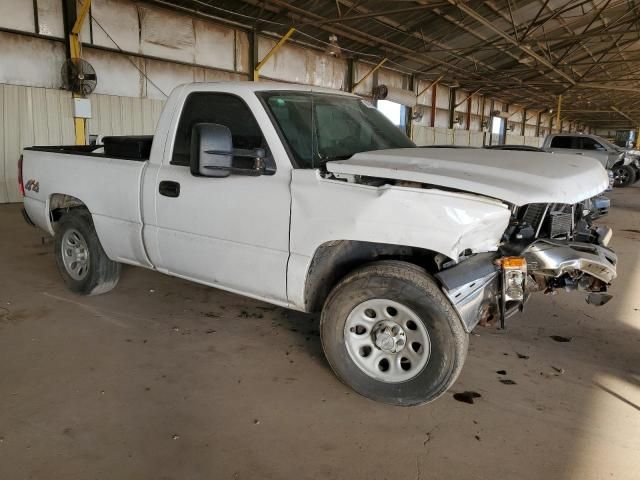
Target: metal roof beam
pixel 482 20
pixel 419 36
pixel 376 14
pixel 624 115
pixel 302 15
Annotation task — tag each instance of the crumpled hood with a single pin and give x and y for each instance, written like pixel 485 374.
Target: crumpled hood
pixel 512 176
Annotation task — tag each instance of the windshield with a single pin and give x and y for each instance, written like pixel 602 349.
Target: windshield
pixel 609 145
pixel 319 127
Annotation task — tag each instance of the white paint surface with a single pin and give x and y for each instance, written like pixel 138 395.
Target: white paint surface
pixel 516 177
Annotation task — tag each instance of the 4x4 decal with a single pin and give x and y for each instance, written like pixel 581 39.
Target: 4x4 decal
pixel 32 185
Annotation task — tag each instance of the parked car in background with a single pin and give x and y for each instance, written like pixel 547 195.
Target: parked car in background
pixel 625 166
pixel 633 157
pixel 528 148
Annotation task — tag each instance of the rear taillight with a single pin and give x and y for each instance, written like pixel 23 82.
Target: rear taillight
pixel 20 181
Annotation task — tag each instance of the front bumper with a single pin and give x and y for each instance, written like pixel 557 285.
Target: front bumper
pixel 555 258
pixel 475 286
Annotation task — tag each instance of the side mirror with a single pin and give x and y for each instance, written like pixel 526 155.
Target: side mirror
pixel 212 154
pixel 211 150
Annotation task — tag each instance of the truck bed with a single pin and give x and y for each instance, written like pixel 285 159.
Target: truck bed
pixel 109 186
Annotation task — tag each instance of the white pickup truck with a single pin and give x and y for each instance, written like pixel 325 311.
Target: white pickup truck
pixel 624 164
pixel 310 199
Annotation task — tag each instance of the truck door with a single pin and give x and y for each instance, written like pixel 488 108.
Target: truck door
pixel 228 232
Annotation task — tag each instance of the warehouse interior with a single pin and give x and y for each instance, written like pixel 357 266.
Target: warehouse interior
pixel 165 378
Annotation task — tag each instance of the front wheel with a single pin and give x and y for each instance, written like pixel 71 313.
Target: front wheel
pixel 623 176
pixel 390 333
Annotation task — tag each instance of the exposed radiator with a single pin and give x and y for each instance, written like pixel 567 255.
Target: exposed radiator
pixel 561 224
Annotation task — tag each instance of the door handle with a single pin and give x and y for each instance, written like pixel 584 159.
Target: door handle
pixel 169 189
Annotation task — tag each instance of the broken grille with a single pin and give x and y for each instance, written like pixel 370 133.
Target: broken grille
pixel 534 214
pixel 554 220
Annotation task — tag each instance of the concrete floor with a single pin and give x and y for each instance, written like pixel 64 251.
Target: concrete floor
pixel 166 379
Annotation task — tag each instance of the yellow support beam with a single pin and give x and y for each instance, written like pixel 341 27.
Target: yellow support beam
pixel 84 9
pixel 368 74
pixel 432 84
pixel 75 50
pixel 276 47
pixel 558 124
pixel 75 46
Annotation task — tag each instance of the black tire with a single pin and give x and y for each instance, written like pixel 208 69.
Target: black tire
pixel 411 286
pixel 101 274
pixel 623 176
pixel 636 171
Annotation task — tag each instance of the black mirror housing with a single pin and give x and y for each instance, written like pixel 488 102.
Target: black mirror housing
pixel 211 150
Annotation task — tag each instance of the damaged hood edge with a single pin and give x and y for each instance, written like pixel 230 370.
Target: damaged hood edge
pixel 515 177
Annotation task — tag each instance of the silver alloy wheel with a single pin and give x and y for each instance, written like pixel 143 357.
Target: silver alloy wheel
pixel 387 340
pixel 75 254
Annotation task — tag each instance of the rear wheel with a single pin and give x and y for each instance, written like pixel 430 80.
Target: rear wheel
pixel 389 333
pixel 623 176
pixel 81 260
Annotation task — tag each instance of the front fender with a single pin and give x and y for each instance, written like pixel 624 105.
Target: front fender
pixel 437 220
pixel 442 221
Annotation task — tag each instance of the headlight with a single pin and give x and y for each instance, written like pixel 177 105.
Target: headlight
pixel 513 277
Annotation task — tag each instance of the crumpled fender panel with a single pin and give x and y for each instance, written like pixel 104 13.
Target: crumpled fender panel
pixel 329 210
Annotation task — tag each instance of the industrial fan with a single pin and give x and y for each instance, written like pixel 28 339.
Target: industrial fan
pixel 78 76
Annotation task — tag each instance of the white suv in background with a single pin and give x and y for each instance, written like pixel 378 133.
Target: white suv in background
pixel 625 166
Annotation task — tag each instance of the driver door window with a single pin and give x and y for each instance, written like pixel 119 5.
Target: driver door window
pixel 221 108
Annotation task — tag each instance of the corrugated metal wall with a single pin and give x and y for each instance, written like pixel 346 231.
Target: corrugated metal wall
pixel 114 115
pixel 29 116
pixel 42 116
pixel 457 136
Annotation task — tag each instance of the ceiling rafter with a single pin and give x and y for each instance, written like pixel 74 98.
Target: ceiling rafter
pixel 519 51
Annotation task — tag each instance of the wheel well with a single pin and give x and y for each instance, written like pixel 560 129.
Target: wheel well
pixel 333 260
pixel 59 203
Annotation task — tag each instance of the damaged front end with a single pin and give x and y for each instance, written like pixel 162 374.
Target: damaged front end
pixel 546 247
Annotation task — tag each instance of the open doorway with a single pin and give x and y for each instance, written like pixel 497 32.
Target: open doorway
pixel 394 112
pixel 498 128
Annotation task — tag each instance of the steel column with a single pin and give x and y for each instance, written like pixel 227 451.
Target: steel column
pixel 558 123
pixel 73 20
pixel 434 95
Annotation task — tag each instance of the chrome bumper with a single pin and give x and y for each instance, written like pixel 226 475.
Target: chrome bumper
pixel 554 258
pixel 474 287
